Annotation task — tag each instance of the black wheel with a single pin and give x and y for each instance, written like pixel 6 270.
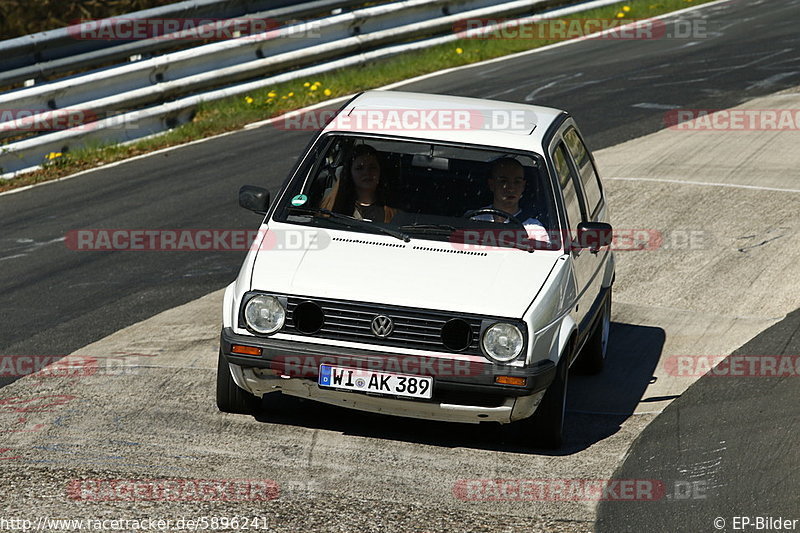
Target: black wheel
pixel 545 428
pixel 593 355
pixel 230 397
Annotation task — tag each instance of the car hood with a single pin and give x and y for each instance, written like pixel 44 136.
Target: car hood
pixel 420 274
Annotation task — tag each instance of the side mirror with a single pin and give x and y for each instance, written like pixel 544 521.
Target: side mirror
pixel 254 198
pixel 594 235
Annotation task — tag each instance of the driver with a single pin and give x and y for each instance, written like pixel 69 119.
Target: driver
pixel 507 183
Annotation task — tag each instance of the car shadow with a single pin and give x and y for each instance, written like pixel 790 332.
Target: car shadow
pixel 596 406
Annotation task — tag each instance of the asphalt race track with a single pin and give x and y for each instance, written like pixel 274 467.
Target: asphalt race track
pixel 742 450
pixel 195 187
pixel 154 317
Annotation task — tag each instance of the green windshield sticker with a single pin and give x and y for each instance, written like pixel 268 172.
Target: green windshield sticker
pixel 299 200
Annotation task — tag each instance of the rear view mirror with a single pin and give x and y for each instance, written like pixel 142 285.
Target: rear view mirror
pixel 594 235
pixel 254 198
pixel 430 162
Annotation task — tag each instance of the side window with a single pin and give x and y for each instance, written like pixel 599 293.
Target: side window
pixel 567 178
pixel 591 184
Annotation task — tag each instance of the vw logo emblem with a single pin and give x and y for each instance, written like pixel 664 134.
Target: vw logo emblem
pixel 382 326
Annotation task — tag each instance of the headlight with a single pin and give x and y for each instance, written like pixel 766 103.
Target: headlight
pixel 264 314
pixel 503 342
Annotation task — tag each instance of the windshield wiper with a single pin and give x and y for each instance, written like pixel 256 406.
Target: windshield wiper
pixel 434 229
pixel 446 229
pixel 527 247
pixel 498 239
pixel 349 221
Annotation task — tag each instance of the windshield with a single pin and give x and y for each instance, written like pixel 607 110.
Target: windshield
pixel 424 190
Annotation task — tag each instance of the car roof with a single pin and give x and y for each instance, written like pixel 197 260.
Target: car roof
pixel 483 122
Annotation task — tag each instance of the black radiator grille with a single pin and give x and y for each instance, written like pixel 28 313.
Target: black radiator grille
pixel 413 328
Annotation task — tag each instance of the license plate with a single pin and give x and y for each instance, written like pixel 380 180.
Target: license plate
pixel 359 379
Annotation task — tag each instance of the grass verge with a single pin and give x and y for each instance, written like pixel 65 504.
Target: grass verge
pixel 231 114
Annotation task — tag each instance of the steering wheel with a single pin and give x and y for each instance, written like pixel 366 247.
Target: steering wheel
pixel 492 211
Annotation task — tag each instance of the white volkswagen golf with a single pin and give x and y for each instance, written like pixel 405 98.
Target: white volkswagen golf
pixel 431 257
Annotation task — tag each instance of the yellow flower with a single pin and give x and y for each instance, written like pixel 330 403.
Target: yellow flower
pixel 306 84
pixel 53 155
pixel 248 99
pixel 327 92
pixel 317 83
pixel 290 94
pixel 626 8
pixel 459 51
pixel 314 87
pixel 272 94
pixel 269 100
pixel 620 15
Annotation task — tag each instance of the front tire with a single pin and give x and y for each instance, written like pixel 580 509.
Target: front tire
pixel 545 428
pixel 593 356
pixel 230 397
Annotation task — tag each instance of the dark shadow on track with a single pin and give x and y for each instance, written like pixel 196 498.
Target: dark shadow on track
pixel 727 447
pixel 596 406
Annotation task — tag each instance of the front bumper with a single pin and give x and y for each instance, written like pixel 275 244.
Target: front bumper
pixel 461 392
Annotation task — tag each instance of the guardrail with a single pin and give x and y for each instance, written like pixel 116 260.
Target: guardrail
pixel 179 73
pixel 42 55
pixel 352 37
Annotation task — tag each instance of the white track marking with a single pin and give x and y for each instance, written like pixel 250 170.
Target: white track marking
pixel 706 184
